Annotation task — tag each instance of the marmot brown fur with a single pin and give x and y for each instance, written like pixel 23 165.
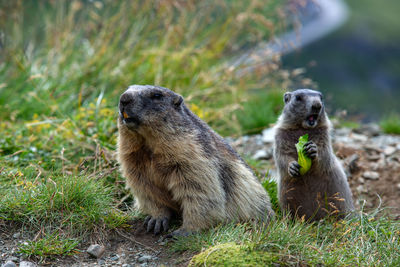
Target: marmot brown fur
pixel 324 189
pixel 175 163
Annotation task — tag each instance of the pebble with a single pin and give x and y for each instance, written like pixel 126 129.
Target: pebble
pixel 389 150
pixel 268 135
pixel 27 264
pixel 114 258
pixel 370 129
pixel 145 258
pixel 361 180
pixel 9 264
pixel 359 137
pixel 360 188
pixel 371 175
pixel 398 185
pixel 126 265
pixel 261 154
pixel 95 250
pixel 17 235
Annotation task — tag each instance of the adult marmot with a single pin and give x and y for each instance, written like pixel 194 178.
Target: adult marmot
pixel 323 190
pixel 174 162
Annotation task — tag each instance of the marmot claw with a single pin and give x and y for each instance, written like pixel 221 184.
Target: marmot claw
pixel 311 150
pixel 294 169
pixel 156 224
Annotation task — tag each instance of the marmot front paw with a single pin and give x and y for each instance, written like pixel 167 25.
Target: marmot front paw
pixel 311 150
pixel 294 169
pixel 158 224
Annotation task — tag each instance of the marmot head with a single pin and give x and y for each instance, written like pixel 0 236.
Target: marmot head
pixel 149 106
pixel 303 108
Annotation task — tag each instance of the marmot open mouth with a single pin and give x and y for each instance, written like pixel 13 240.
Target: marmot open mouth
pixel 312 119
pixel 126 119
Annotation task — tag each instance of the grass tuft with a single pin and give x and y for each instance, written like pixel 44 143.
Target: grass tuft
pixel 391 124
pixel 363 240
pixel 49 246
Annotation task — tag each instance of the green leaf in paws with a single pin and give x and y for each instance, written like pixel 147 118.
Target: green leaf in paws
pixel 303 160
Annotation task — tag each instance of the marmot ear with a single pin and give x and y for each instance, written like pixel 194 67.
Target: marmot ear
pixel 286 97
pixel 178 100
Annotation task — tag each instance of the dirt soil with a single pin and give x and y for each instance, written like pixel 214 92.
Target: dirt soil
pixel 132 247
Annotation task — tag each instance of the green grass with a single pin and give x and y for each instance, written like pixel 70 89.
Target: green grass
pixel 391 124
pixel 361 241
pixel 49 246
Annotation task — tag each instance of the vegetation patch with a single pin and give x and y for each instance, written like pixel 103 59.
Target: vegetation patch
pixel 230 254
pixel 391 124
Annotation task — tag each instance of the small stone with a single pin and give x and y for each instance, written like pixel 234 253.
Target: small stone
pixel 361 180
pixel 389 150
pixel 398 186
pixel 26 264
pixel 126 265
pixel 360 188
pixel 145 258
pixel 268 135
pixel 9 264
pixel 114 258
pixel 95 250
pixel 261 154
pixel 371 175
pixel 17 235
pixel 12 258
pixel 370 129
pixel 359 137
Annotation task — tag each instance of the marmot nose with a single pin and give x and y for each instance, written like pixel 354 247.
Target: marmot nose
pixel 316 107
pixel 125 99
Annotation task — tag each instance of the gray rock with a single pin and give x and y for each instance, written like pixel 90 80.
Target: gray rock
pixel 12 258
pixel 27 264
pixel 9 264
pixel 359 137
pixel 370 129
pixel 389 150
pixel 17 235
pixel 95 250
pixel 126 265
pixel 371 175
pixel 268 135
pixel 262 154
pixel 114 258
pixel 398 185
pixel 145 258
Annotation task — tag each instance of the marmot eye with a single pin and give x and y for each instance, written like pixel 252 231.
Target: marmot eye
pixel 156 96
pixel 299 98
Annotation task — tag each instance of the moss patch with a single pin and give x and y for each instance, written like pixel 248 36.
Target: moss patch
pixel 231 254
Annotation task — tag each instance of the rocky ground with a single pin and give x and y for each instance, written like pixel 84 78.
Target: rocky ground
pixel 371 160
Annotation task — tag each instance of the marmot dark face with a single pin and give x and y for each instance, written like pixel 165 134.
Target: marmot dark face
pixel 304 108
pixel 148 106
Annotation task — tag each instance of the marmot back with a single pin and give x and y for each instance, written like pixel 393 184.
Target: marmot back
pixel 324 189
pixel 175 163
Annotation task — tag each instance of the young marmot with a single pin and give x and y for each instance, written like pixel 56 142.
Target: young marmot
pixel 323 190
pixel 175 163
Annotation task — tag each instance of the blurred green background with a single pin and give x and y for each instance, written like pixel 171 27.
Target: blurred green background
pixel 358 66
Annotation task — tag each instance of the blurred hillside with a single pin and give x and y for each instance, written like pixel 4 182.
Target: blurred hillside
pixel 358 66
